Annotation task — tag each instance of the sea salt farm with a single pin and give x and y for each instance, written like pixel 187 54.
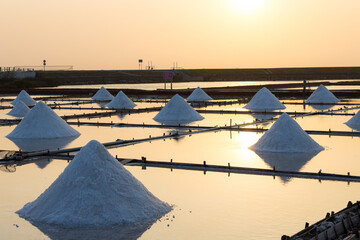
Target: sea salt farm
pixel 214 160
pixel 173 120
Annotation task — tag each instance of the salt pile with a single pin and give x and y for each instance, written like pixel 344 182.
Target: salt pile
pixel 198 95
pixel 42 122
pixel 354 122
pixel 322 95
pixel 19 110
pixel 103 95
pixel 121 101
pixel 94 190
pixel 177 110
pixel 286 135
pixel 25 97
pixel 264 100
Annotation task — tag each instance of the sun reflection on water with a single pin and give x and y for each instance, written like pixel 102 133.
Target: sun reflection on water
pixel 244 141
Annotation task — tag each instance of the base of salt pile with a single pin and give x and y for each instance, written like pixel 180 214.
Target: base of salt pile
pixel 286 135
pixel 94 190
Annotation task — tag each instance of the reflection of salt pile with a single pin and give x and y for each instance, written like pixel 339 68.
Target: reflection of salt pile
pixel 42 122
pixel 38 144
pixel 42 163
pixel 102 104
pixel 354 122
pixel 103 95
pixel 121 101
pixel 177 110
pixel 19 110
pixel 198 95
pixel 286 135
pixel 25 97
pixel 122 116
pixel 286 162
pixel 94 190
pixel 263 116
pixel 321 106
pixel 322 95
pixel 114 232
pixel 264 100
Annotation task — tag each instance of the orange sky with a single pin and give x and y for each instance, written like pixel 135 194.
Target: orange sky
pixel 114 34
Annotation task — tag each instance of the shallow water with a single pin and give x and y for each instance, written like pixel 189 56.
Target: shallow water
pixel 207 206
pixel 185 85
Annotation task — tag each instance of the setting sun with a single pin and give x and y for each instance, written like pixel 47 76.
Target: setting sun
pixel 246 6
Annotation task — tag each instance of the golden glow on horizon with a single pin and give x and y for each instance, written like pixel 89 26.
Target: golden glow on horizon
pixel 246 6
pixel 195 34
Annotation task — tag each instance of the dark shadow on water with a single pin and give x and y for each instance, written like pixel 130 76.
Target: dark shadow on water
pixel 286 161
pixel 117 232
pixel 36 144
pixel 321 106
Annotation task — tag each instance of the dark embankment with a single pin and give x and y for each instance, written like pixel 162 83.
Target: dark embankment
pixel 198 75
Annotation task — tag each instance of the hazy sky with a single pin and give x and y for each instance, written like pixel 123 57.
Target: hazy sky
pixel 114 34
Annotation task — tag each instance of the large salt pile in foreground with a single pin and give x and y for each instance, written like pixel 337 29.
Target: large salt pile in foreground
pixel 121 101
pixel 354 122
pixel 286 135
pixel 103 95
pixel 25 97
pixel 198 95
pixel 264 100
pixel 177 110
pixel 42 122
pixel 94 190
pixel 19 110
pixel 322 95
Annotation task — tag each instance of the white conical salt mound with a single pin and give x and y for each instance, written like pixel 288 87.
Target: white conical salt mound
pixel 264 100
pixel 94 190
pixel 322 95
pixel 198 95
pixel 19 110
pixel 354 122
pixel 42 122
pixel 286 135
pixel 121 101
pixel 177 110
pixel 103 95
pixel 25 97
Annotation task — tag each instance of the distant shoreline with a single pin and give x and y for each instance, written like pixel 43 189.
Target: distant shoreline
pixel 84 77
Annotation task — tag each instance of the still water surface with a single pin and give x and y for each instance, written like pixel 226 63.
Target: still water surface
pixel 211 205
